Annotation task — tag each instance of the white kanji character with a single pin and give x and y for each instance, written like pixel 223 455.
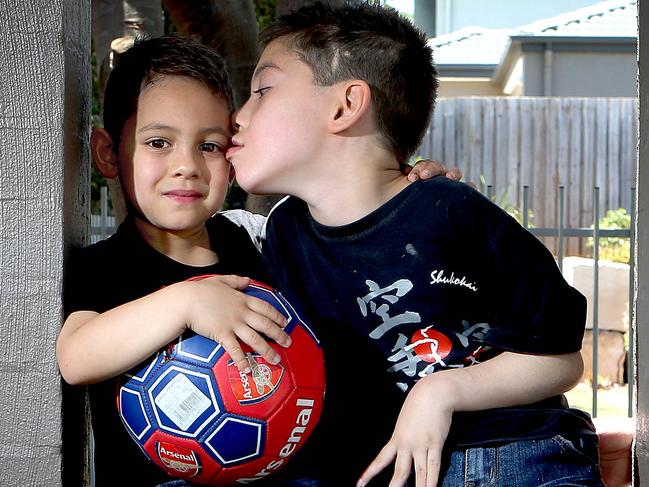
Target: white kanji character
pixel 406 358
pixel 391 294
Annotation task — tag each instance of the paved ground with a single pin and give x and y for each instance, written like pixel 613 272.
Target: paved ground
pixel 612 401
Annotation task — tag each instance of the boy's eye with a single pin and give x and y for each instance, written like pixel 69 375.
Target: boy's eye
pixel 158 143
pixel 209 147
pixel 261 91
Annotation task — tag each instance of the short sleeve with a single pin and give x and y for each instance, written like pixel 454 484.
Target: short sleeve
pixel 531 307
pixel 78 289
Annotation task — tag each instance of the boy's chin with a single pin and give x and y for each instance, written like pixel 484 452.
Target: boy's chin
pixel 249 185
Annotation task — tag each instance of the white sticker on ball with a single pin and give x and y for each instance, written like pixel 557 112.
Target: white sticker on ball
pixel 182 401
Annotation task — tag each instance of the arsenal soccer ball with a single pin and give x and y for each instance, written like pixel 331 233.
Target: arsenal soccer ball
pixel 194 415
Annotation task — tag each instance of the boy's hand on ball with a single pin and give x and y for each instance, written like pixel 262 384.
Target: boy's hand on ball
pixel 427 168
pixel 218 310
pixel 419 435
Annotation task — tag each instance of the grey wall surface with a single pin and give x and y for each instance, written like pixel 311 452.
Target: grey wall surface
pixel 642 257
pixel 594 74
pixel 44 191
pixel 582 74
pixel 533 74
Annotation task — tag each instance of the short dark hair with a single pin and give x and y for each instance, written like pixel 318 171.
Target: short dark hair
pixel 374 44
pixel 151 59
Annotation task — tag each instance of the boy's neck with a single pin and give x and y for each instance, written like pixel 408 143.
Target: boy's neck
pixel 191 247
pixel 352 185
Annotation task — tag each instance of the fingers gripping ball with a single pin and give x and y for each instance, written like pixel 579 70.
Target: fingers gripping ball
pixel 197 417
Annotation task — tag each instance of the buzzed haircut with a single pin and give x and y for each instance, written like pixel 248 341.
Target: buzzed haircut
pixel 374 44
pixel 150 60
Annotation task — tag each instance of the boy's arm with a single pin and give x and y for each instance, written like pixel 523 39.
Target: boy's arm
pixel 506 380
pixel 93 347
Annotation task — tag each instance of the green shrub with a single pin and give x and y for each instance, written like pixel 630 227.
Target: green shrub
pixel 616 249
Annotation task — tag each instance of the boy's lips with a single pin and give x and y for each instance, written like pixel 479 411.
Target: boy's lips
pixel 183 195
pixel 232 150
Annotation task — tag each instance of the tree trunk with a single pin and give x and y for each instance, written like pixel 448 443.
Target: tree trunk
pixel 107 22
pixel 112 20
pixel 285 6
pixel 228 26
pixel 143 17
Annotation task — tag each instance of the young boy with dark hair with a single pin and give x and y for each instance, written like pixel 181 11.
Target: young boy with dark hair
pixel 167 126
pixel 435 308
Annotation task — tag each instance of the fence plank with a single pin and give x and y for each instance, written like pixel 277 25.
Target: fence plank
pixel 449 131
pixel 437 134
pixel 601 150
pixel 489 136
pixel 512 153
pixel 573 186
pixel 460 131
pixel 500 142
pixel 613 163
pixel 540 188
pixel 527 160
pixel 475 138
pixel 589 164
pixel 551 175
pixel 628 144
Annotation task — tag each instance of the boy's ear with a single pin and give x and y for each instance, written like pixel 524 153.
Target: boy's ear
pixel 353 100
pixel 103 153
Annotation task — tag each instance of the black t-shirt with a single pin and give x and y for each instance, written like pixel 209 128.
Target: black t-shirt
pixel 123 268
pixel 438 277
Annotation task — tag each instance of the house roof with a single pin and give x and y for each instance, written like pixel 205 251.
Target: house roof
pixel 612 18
pixel 482 47
pixel 471 45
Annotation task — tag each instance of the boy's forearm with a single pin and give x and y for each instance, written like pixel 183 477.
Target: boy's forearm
pixel 92 348
pixel 510 379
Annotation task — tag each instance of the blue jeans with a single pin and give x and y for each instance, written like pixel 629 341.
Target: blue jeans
pixel 550 462
pixel 290 483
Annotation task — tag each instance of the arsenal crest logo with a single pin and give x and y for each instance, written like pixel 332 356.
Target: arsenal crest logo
pixel 262 381
pixel 181 460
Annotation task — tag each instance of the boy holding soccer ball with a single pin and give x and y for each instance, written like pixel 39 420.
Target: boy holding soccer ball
pixel 167 126
pixel 436 309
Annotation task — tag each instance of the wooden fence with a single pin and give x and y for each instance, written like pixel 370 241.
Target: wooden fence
pixel 543 143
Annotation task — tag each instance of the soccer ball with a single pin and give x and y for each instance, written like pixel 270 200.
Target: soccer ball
pixel 197 417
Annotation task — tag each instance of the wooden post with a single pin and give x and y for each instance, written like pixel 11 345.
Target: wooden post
pixel 44 200
pixel 641 319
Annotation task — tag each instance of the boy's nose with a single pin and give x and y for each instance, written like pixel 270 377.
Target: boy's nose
pixel 240 116
pixel 187 166
pixel 188 171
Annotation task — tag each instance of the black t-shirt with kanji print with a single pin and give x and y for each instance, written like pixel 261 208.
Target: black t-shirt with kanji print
pixel 437 278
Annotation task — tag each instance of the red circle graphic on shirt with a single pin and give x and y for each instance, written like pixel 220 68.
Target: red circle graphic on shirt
pixel 430 345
